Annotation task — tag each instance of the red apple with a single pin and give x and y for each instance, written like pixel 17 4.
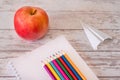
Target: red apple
pixel 31 23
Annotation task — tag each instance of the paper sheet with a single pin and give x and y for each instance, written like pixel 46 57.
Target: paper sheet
pixel 29 66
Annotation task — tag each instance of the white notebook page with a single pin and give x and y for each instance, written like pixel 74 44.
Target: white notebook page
pixel 29 66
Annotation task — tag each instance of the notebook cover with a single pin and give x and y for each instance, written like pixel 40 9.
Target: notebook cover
pixel 29 66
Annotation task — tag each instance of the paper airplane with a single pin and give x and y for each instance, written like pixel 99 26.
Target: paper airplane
pixel 95 36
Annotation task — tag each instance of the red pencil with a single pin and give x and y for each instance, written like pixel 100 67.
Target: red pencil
pixel 67 68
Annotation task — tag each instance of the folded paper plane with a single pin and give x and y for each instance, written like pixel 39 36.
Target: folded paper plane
pixel 95 36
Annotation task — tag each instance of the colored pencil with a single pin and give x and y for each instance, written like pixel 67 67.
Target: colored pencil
pixel 55 68
pixel 60 69
pixel 67 68
pixel 48 71
pixel 71 67
pixel 52 70
pixel 60 64
pixel 74 66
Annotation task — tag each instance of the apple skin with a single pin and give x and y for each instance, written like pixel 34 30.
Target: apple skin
pixel 31 23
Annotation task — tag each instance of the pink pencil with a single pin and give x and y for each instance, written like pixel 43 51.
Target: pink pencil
pixel 61 71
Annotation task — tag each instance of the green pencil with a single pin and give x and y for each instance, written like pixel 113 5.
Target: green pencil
pixel 60 64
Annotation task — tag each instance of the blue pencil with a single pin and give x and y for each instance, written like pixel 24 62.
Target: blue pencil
pixel 70 66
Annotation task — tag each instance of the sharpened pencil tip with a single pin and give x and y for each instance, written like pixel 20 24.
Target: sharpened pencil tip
pixel 42 62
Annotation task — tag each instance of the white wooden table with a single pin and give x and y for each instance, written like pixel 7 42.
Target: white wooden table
pixel 65 16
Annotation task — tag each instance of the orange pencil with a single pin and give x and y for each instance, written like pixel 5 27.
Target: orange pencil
pixel 75 67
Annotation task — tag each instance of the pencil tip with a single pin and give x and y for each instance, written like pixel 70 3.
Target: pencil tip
pixel 50 56
pixel 58 51
pixel 53 55
pixel 41 61
pixel 62 52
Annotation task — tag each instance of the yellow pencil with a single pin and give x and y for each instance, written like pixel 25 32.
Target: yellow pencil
pixel 52 70
pixel 74 66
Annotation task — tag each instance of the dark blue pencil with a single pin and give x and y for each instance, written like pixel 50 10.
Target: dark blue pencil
pixel 71 67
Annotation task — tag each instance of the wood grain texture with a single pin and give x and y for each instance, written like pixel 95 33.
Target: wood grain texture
pixel 63 5
pixel 76 37
pixel 102 63
pixel 65 17
pixel 100 78
pixel 70 19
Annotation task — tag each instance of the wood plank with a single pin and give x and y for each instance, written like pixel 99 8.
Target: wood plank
pixel 104 64
pixel 2 78
pixel 10 41
pixel 63 5
pixel 70 20
pixel 7 78
pixel 112 78
pixel 98 59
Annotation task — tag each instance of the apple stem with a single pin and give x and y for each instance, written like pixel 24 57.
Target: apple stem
pixel 33 12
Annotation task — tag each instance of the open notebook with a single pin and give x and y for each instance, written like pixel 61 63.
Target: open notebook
pixel 29 66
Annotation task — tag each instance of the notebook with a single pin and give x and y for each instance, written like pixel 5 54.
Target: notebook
pixel 30 67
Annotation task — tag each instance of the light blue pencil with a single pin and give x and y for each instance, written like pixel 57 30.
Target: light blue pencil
pixel 56 70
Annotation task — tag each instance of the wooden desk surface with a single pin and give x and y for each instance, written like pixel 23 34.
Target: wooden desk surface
pixel 65 16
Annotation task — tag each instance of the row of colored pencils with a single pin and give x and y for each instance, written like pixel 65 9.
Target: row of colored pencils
pixel 61 67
